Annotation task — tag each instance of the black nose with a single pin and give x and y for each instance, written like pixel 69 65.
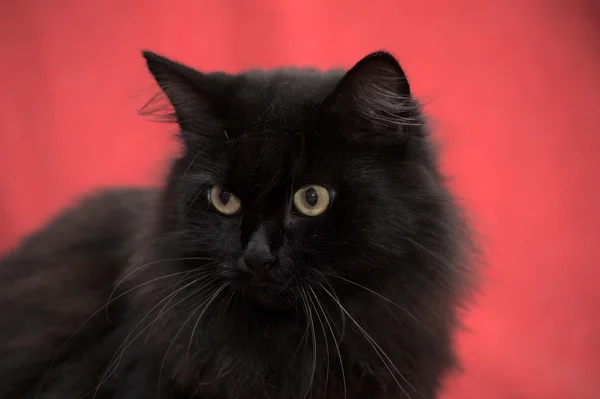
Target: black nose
pixel 259 262
pixel 258 254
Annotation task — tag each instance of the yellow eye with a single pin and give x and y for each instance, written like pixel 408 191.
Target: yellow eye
pixel 311 200
pixel 224 201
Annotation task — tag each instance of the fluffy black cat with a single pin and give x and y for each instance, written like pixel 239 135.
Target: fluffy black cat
pixel 304 245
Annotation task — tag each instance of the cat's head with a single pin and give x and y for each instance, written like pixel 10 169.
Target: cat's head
pixel 296 179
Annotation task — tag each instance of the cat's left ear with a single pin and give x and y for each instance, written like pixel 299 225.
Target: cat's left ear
pixel 374 93
pixel 198 99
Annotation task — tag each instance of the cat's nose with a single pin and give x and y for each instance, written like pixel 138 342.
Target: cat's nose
pixel 259 261
pixel 258 255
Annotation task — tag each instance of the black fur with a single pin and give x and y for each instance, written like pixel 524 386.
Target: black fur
pixel 143 293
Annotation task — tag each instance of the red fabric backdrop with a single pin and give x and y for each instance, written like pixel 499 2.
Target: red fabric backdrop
pixel 511 86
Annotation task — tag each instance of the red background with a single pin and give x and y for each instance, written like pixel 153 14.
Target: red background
pixel 511 86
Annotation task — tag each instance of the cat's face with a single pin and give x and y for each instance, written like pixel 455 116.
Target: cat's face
pixel 295 178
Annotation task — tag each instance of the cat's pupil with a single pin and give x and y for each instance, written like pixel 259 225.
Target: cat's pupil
pixel 311 196
pixel 224 197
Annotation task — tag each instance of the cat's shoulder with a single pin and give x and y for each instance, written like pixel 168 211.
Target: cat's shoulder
pixel 102 214
pixel 93 235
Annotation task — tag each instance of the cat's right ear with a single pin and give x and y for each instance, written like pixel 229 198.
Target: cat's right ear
pixel 375 95
pixel 195 98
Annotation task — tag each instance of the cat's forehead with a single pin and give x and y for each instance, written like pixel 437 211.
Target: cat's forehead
pixel 275 112
pixel 295 83
pixel 279 96
pixel 264 160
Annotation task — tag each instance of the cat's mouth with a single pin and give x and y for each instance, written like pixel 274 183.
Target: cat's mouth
pixel 262 290
pixel 267 294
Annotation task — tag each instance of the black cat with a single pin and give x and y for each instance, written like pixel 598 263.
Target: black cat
pixel 303 246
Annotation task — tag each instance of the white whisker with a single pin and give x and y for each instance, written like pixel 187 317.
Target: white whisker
pixel 380 296
pixel 324 336
pixel 146 265
pixel 207 302
pixel 105 306
pixel 125 345
pixel 377 349
pixel 314 340
pixel 162 310
pixel 342 314
pixel 337 346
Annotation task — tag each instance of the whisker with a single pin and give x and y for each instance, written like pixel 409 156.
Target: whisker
pixel 378 350
pixel 199 318
pixel 304 337
pixel 149 264
pixel 312 302
pixel 125 345
pixel 110 301
pixel 337 346
pixel 314 340
pixel 382 297
pixel 436 257
pixel 342 314
pixel 200 152
pixel 162 310
pixel 232 294
pixel 208 302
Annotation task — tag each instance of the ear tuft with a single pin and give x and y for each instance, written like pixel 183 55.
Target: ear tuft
pixel 375 92
pixel 193 96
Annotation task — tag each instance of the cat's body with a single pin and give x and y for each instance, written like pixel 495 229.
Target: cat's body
pixel 304 246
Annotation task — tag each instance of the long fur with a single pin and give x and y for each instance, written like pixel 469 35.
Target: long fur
pixel 129 293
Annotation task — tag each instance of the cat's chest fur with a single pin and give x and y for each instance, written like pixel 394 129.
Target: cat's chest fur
pixel 236 354
pixel 287 369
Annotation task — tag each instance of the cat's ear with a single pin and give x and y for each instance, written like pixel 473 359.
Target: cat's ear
pixel 196 98
pixel 375 93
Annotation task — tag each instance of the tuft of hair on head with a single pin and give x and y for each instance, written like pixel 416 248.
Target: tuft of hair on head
pixel 194 100
pixel 376 92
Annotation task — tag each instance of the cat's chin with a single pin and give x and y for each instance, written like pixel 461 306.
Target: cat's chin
pixel 270 297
